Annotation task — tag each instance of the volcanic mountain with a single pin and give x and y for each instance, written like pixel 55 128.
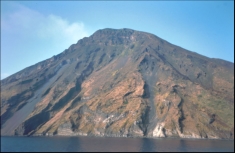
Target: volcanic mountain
pixel 121 83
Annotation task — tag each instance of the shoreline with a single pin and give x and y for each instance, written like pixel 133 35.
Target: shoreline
pixel 92 136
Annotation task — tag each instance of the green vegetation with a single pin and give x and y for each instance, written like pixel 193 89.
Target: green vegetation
pixel 125 101
pixel 26 81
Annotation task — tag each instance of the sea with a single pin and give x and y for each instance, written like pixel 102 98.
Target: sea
pixel 110 144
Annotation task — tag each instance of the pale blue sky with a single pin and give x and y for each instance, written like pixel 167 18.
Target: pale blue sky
pixel 34 31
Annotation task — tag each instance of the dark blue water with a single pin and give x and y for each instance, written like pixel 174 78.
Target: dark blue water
pixel 97 144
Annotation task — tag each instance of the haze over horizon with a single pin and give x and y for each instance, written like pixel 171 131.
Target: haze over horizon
pixel 35 31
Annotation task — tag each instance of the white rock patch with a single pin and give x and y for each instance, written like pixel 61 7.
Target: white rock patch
pixel 158 131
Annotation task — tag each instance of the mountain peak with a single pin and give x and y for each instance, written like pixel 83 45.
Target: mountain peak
pixel 121 82
pixel 109 31
pixel 112 33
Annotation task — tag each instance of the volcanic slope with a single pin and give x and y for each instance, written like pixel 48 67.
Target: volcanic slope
pixel 121 83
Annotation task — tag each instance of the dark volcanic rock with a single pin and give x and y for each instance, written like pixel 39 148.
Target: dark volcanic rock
pixel 121 83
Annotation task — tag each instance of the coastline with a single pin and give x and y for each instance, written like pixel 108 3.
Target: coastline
pixel 106 136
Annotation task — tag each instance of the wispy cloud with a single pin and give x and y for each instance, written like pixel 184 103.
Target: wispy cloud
pixel 43 26
pixel 34 36
pixel 56 28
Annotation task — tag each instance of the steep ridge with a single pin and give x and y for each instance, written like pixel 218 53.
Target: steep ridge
pixel 121 83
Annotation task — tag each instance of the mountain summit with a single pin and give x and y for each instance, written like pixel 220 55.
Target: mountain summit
pixel 121 83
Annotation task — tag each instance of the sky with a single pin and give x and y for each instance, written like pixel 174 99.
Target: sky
pixel 32 31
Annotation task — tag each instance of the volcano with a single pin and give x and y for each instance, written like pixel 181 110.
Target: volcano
pixel 121 83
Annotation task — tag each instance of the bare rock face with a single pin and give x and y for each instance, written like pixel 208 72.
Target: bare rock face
pixel 121 83
pixel 159 130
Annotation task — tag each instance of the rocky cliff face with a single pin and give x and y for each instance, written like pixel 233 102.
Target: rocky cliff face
pixel 121 83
